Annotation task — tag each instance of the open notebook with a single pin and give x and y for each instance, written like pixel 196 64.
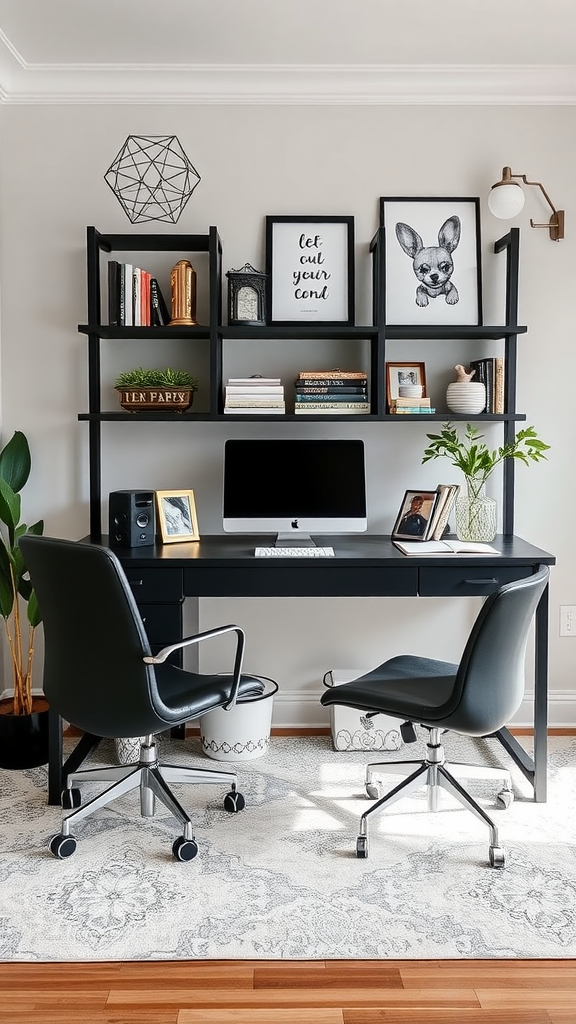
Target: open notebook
pixel 444 547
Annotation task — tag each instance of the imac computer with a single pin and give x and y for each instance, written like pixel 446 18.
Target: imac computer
pixel 294 488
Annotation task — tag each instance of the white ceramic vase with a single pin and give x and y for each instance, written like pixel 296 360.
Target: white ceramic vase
pixel 466 397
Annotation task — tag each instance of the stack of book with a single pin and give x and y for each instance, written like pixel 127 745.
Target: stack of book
pixel 134 297
pixel 438 522
pixel 319 392
pixel 491 373
pixel 255 394
pixel 409 406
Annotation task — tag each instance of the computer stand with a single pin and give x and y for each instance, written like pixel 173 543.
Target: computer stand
pixel 294 540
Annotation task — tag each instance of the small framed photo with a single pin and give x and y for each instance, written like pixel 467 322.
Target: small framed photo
pixel 414 515
pixel 310 270
pixel 402 375
pixel 432 261
pixel 177 520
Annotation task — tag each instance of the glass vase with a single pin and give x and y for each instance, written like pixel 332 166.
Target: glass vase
pixel 475 514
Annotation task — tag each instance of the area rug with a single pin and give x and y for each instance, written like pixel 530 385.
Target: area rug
pixel 281 879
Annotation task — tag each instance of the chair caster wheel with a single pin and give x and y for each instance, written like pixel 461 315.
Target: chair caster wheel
pixel 504 798
pixel 373 790
pixel 62 846
pixel 234 802
pixel 71 798
pixel 184 849
pixel 362 847
pixel 497 857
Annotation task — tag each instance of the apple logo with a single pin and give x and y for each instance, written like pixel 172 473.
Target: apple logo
pixel 294 524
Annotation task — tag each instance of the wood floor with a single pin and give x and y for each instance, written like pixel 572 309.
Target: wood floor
pixel 282 992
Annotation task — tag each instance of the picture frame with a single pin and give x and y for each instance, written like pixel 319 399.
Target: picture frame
pixel 414 515
pixel 400 373
pixel 310 270
pixel 176 516
pixel 432 261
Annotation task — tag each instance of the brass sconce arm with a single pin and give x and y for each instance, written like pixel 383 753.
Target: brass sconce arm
pixel 556 223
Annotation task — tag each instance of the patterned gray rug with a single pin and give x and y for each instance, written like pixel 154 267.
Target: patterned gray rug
pixel 281 879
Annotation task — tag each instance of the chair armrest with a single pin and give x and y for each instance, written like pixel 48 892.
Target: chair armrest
pixel 187 641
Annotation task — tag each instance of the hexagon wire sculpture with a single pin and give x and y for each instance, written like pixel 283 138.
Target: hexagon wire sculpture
pixel 152 178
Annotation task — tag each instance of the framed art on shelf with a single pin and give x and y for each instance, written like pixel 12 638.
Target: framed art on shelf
pixel 177 520
pixel 432 261
pixel 415 513
pixel 310 270
pixel 404 375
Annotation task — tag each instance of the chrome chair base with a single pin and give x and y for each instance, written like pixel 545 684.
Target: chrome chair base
pixel 433 773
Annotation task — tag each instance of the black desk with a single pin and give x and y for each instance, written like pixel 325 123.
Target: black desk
pixel 365 565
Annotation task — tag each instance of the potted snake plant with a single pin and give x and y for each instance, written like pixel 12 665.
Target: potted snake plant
pixel 23 716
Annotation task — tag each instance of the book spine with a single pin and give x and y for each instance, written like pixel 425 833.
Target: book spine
pixel 136 296
pixel 114 293
pixel 357 406
pixel 330 398
pixel 445 513
pixel 489 374
pixel 407 411
pixel 332 374
pixel 128 289
pixel 330 382
pixel 159 315
pixel 499 384
pixel 349 389
pixel 254 403
pixel 479 366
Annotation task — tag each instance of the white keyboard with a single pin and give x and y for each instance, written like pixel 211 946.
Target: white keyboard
pixel 289 552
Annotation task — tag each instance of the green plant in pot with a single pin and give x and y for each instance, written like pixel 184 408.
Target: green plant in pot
pixel 475 512
pixel 144 389
pixel 23 719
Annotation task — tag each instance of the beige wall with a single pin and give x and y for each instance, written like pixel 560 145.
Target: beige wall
pixel 262 160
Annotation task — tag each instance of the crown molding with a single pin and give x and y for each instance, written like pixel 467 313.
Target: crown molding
pixel 293 84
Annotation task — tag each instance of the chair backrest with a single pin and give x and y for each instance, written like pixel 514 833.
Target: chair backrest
pixel 94 638
pixel 490 680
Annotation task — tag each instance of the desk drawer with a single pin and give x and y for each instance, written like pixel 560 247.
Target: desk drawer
pixel 155 585
pixel 469 581
pixel 304 580
pixel 162 622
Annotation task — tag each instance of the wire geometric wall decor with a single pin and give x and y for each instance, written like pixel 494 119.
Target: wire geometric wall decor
pixel 152 178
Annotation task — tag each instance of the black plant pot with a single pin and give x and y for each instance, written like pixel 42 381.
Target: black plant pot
pixel 24 739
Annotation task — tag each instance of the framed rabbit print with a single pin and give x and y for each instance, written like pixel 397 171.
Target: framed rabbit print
pixel 432 261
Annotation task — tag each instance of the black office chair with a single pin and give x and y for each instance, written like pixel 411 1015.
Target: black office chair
pixel 475 698
pixel 100 675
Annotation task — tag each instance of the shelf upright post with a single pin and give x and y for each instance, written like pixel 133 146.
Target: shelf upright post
pixel 510 242
pixel 94 242
pixel 378 351
pixel 216 361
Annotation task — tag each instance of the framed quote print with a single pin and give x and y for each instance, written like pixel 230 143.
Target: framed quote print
pixel 432 261
pixel 310 268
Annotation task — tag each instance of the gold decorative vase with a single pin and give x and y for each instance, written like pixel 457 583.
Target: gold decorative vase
pixel 183 285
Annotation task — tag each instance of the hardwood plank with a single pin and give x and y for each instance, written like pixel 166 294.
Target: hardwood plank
pixel 446 1016
pixel 293 997
pixel 313 1016
pixel 528 998
pixel 328 976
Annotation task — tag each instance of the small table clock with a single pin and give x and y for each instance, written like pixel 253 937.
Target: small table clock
pixel 246 297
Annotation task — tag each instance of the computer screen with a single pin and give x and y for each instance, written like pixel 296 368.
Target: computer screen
pixel 294 487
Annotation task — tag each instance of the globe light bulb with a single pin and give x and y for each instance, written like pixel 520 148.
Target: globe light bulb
pixel 506 201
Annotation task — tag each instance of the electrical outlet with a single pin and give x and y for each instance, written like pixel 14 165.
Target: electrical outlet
pixel 568 620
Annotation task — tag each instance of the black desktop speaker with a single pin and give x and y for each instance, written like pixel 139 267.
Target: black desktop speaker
pixel 131 519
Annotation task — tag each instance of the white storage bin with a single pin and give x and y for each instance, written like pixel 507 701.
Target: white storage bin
pixel 352 729
pixel 243 733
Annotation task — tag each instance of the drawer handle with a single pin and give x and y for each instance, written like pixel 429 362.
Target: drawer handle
pixel 482 582
pixel 136 583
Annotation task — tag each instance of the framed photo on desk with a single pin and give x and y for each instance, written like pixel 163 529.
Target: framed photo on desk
pixel 414 516
pixel 176 513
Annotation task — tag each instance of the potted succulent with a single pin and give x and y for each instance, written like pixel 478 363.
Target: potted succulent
pixel 475 512
pixel 23 718
pixel 144 389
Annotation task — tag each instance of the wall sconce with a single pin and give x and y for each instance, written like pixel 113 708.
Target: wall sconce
pixel 506 199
